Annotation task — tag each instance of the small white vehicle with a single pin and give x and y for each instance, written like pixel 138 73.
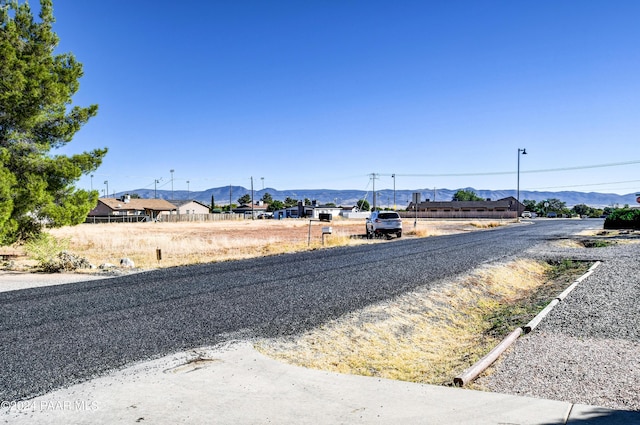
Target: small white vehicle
pixel 384 223
pixel 526 214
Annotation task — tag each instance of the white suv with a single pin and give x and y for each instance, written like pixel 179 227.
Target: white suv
pixel 384 223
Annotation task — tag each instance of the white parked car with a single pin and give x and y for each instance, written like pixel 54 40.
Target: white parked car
pixel 526 214
pixel 384 223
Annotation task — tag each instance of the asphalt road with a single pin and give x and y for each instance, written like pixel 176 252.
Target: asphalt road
pixel 57 335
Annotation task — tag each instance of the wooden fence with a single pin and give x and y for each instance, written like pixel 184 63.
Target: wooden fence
pixel 165 218
pixel 117 219
pixel 181 218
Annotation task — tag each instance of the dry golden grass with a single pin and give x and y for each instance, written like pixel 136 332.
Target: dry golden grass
pixel 486 224
pixel 427 336
pixel 426 228
pixel 203 242
pixel 199 242
pixel 569 243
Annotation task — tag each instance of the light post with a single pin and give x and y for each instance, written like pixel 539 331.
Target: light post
pixel 522 151
pixel 106 182
pixel 171 171
pixel 92 182
pixel 262 178
pixel 155 188
pixel 188 192
pixel 394 190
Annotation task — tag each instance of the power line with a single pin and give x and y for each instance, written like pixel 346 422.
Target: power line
pixel 584 185
pixel 497 173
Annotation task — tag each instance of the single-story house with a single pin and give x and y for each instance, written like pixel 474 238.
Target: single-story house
pixel 307 211
pixel 190 206
pixel 502 208
pixel 325 209
pixel 248 209
pixel 297 211
pixel 125 206
pixel 354 212
pixel 347 210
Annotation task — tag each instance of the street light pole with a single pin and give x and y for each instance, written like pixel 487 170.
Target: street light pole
pixel 394 190
pixel 106 182
pixel 522 151
pixel 155 188
pixel 188 191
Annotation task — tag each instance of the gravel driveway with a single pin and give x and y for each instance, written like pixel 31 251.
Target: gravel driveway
pixel 587 350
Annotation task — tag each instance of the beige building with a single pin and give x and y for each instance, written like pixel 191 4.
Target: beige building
pixel 502 208
pixel 189 206
pixel 126 209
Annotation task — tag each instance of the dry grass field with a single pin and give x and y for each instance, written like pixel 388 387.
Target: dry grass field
pixel 203 242
pixel 427 336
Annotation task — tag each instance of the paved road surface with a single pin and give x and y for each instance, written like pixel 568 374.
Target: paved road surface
pixel 58 335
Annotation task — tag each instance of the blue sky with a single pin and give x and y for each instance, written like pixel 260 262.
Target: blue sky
pixel 321 94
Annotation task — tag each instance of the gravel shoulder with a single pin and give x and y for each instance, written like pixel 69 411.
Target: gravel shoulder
pixel 16 280
pixel 12 281
pixel 587 350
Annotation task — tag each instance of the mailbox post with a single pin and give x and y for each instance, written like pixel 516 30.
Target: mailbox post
pixel 325 230
pixel 416 201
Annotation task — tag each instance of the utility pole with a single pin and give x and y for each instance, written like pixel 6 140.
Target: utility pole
pixel 229 198
pixel 106 182
pixel 374 176
pixel 171 171
pixel 252 216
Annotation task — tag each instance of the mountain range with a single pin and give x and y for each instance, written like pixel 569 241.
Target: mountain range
pixel 385 197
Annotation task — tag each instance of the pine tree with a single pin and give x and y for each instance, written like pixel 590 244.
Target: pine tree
pixel 244 199
pixel 36 117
